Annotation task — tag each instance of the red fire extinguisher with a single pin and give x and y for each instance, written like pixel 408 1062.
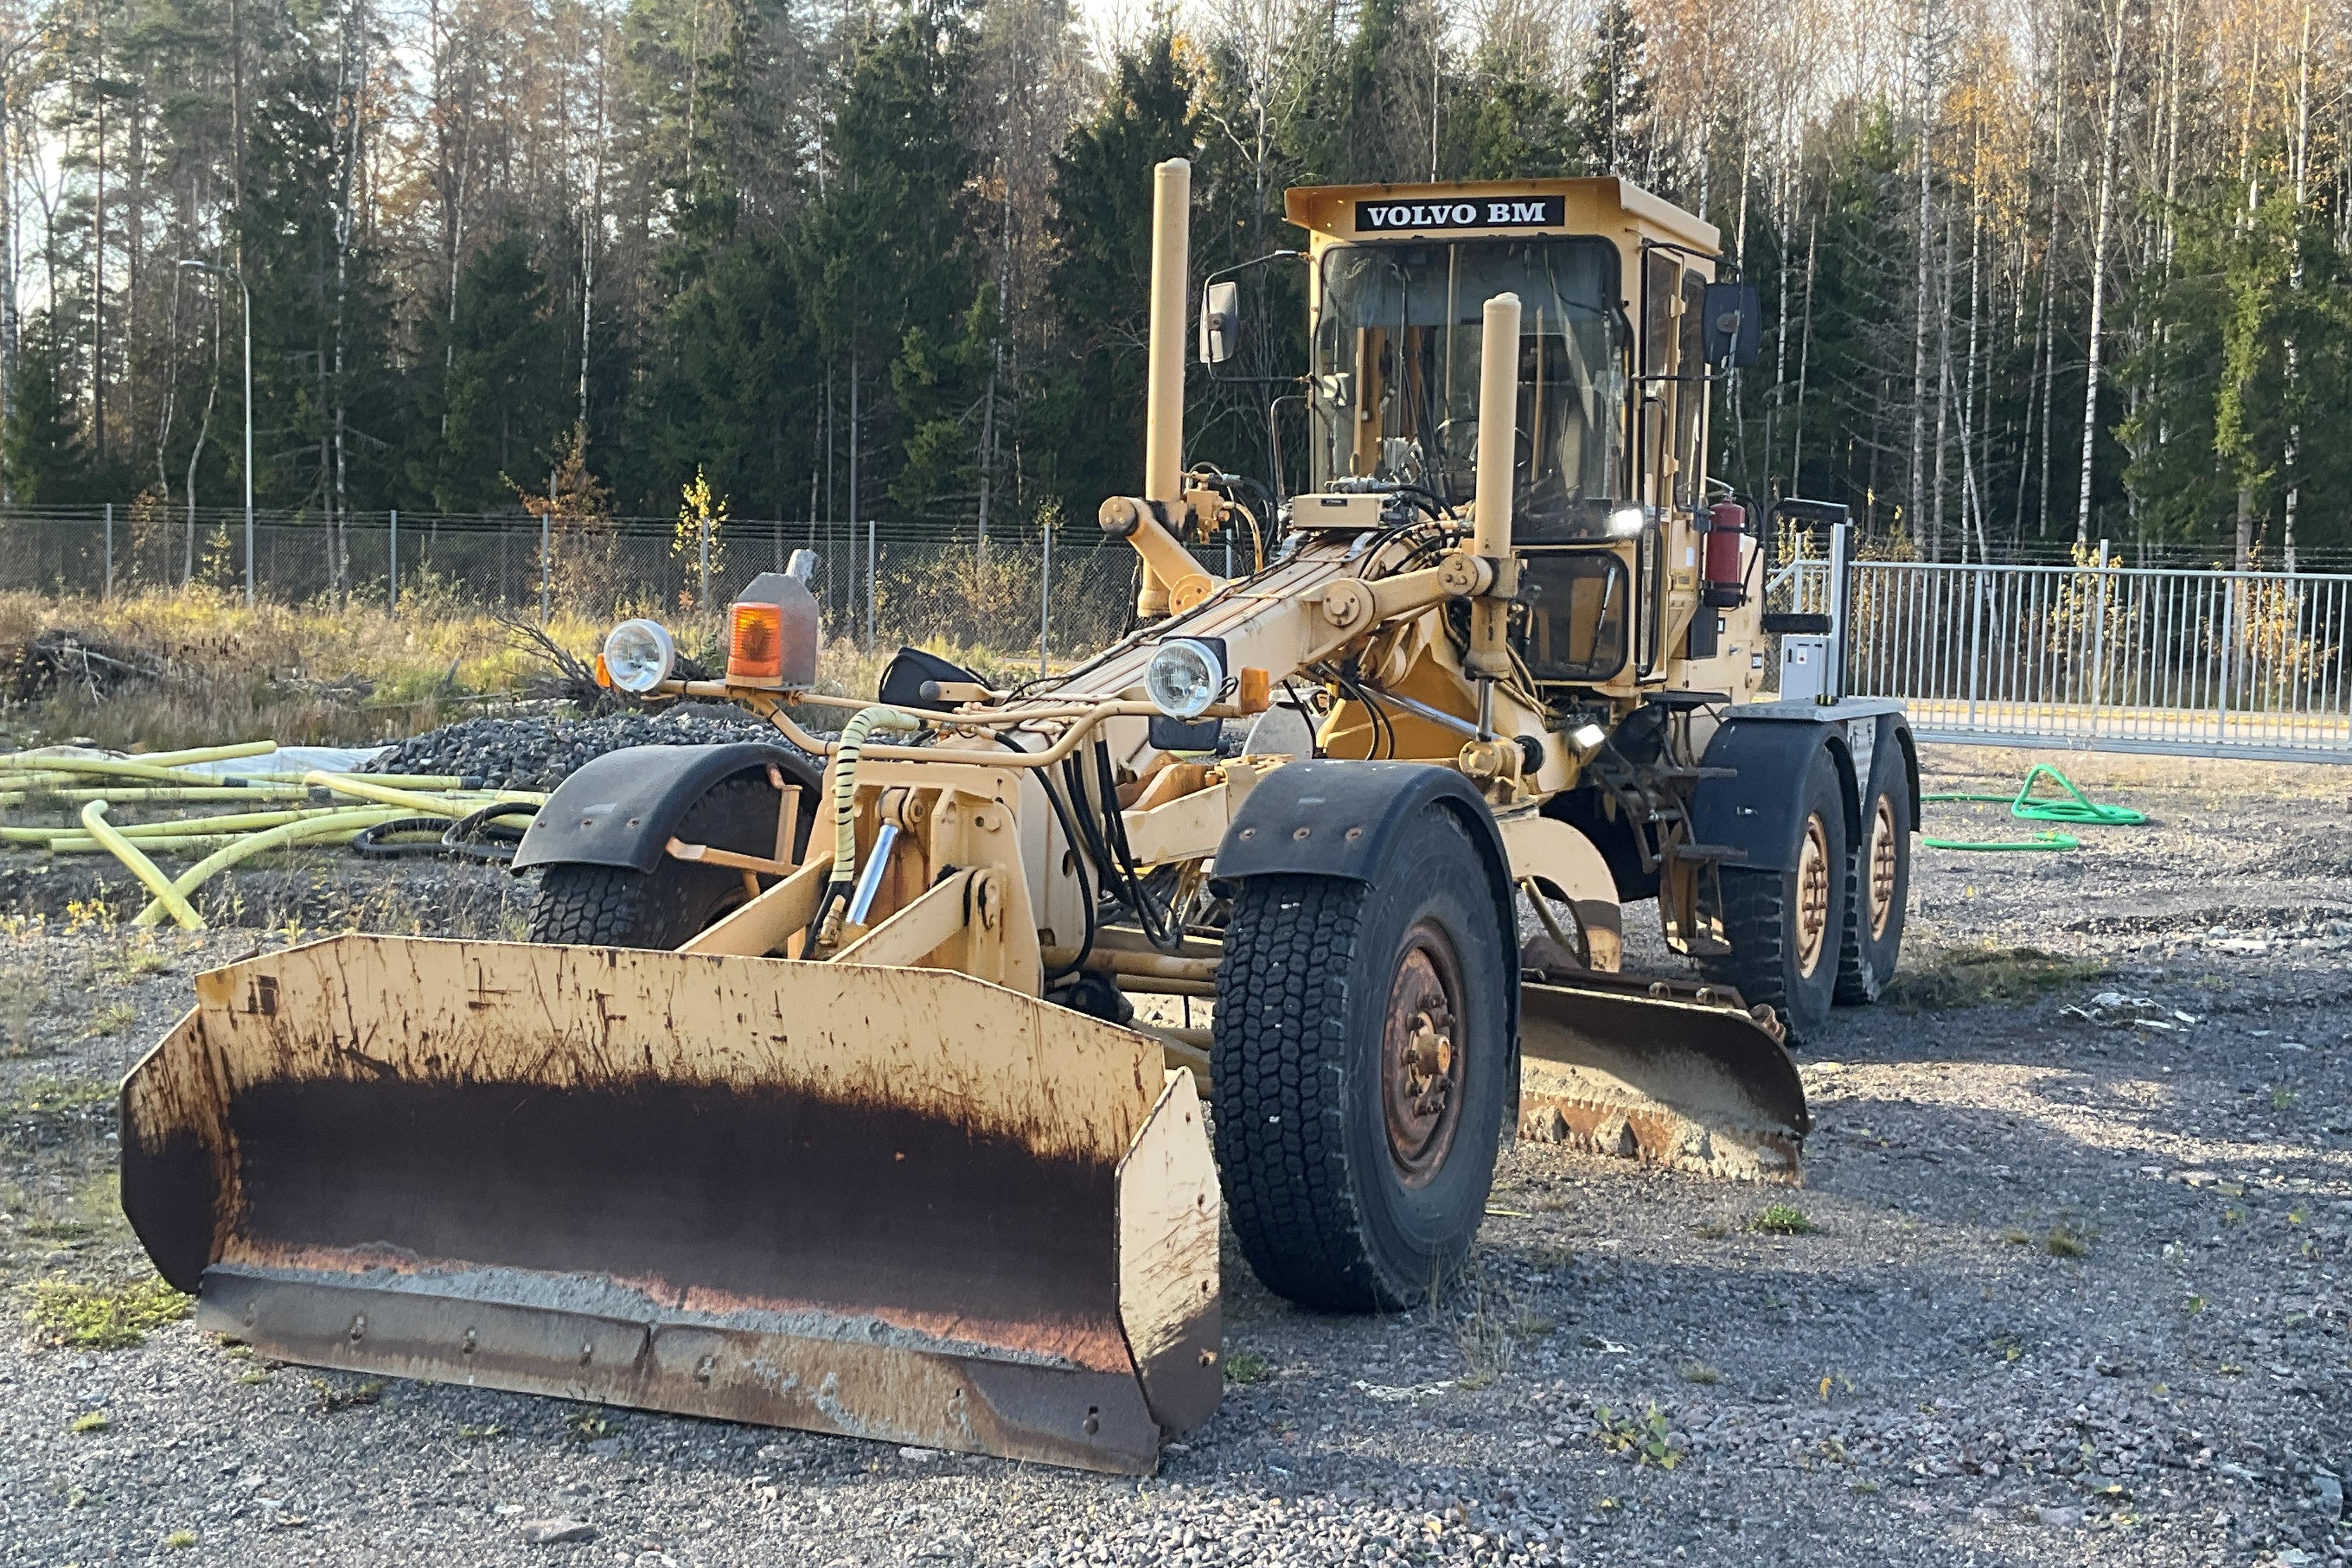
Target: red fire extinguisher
pixel 1726 523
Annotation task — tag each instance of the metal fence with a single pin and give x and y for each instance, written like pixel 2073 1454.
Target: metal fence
pixel 2088 655
pixel 2101 658
pixel 882 584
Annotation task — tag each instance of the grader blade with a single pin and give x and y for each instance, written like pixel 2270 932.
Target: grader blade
pixel 893 1204
pixel 1663 1071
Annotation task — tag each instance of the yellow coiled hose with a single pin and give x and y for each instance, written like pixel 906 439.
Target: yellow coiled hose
pixel 845 752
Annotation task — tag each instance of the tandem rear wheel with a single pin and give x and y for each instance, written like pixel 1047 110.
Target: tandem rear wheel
pixel 1359 1069
pixel 1788 928
pixel 1878 891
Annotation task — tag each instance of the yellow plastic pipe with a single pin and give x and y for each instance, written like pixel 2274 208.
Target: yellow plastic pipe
pixel 317 829
pixel 436 805
pixel 93 816
pixel 251 844
pixel 104 766
pixel 186 826
pixel 207 753
pixel 397 781
pixel 162 792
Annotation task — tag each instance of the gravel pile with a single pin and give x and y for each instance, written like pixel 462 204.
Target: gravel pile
pixel 536 754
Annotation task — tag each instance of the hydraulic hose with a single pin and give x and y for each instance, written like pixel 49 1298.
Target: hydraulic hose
pixel 843 878
pixel 376 843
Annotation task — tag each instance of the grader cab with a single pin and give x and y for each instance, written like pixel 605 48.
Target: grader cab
pixel 846 1083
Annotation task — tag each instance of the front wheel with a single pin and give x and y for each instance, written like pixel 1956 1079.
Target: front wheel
pixel 620 906
pixel 1358 1070
pixel 1787 928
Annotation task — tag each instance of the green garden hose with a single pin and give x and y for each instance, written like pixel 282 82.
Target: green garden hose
pixel 2075 809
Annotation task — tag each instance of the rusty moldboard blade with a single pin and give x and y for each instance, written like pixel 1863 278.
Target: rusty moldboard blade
pixel 885 1202
pixel 1660 1075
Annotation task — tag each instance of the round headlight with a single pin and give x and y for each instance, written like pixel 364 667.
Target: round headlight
pixel 1183 678
pixel 638 655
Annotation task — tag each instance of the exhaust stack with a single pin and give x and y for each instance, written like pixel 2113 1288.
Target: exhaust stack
pixel 1498 418
pixel 1163 417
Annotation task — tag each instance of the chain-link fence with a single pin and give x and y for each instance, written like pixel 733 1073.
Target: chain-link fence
pixel 880 584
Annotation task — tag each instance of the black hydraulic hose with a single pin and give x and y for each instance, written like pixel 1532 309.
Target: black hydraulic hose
pixel 1117 875
pixel 1160 926
pixel 480 835
pixel 1077 862
pixel 374 843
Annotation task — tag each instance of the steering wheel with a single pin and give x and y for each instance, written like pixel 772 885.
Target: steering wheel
pixel 1523 446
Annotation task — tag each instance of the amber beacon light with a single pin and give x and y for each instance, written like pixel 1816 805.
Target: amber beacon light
pixel 755 647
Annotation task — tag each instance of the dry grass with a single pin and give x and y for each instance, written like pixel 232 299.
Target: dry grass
pixel 299 674
pixel 319 675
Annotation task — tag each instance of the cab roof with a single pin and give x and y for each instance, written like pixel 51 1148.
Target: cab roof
pixel 1602 205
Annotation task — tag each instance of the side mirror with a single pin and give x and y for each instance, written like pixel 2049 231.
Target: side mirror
pixel 1733 318
pixel 1221 306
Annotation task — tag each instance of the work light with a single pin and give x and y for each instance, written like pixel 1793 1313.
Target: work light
pixel 1183 678
pixel 638 655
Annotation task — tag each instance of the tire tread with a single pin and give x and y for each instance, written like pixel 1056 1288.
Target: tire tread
pixel 1282 995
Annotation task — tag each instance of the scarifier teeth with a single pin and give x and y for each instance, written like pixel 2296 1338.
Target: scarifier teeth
pixel 1657 1136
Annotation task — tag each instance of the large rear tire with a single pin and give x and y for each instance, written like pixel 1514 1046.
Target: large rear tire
pixel 1787 929
pixel 619 906
pixel 1877 893
pixel 1359 1069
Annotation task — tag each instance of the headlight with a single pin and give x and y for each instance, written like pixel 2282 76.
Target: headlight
pixel 1183 678
pixel 1626 521
pixel 638 655
pixel 1586 739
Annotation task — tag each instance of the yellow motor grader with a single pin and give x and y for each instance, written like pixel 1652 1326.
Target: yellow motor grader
pixel 871 1099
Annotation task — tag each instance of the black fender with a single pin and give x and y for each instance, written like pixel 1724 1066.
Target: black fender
pixel 624 808
pixel 1756 809
pixel 1338 818
pixel 1880 751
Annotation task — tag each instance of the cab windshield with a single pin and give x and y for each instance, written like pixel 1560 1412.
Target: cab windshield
pixel 1395 394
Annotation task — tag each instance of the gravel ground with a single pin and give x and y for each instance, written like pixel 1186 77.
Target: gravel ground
pixel 2073 1292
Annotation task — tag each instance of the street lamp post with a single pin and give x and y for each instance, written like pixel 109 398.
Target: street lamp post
pixel 237 278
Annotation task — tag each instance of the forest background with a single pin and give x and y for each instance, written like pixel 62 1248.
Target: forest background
pixel 2034 271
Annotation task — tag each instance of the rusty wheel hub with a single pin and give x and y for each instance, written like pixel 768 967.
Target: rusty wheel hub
pixel 1813 896
pixel 1883 847
pixel 1420 1054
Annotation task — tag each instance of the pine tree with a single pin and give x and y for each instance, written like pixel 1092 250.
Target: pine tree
pixel 883 258
pixel 1089 429
pixel 288 248
pixel 501 406
pixel 732 394
pixel 1524 130
pixel 43 458
pixel 2216 405
pixel 1615 132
